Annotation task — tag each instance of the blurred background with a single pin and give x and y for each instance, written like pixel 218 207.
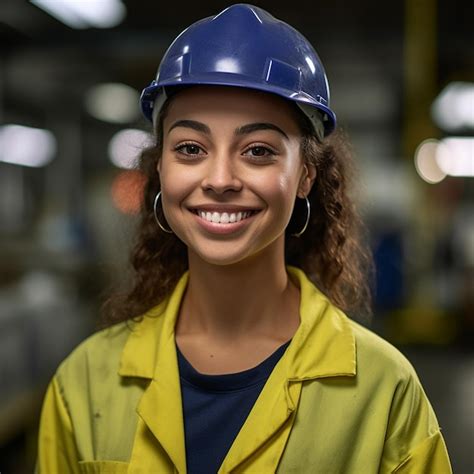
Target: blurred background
pixel 402 83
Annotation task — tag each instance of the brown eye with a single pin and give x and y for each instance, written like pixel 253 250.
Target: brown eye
pixel 259 151
pixel 191 149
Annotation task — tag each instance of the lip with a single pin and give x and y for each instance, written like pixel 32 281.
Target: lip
pixel 223 229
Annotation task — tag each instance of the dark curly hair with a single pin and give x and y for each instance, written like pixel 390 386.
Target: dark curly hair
pixel 333 251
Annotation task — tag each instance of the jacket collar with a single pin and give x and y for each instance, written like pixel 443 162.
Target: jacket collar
pixel 323 345
pixel 152 338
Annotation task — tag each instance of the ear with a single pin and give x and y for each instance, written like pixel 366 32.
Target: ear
pixel 307 180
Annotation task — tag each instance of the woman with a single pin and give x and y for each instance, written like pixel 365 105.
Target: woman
pixel 231 352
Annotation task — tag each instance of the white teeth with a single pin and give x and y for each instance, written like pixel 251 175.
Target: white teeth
pixel 223 218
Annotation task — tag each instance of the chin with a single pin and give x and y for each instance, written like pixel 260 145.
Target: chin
pixel 231 253
pixel 222 258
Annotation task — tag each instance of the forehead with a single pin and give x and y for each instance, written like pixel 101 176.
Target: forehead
pixel 208 103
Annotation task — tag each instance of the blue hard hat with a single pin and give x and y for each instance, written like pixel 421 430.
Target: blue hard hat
pixel 245 46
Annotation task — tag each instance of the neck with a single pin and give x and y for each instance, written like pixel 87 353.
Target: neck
pixel 251 298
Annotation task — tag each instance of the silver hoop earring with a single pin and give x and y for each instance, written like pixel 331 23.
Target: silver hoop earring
pixel 155 204
pixel 308 209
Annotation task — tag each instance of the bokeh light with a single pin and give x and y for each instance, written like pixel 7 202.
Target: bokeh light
pixel 125 147
pixel 426 164
pixel 113 102
pixel 26 146
pixel 453 109
pixel 127 191
pixel 455 156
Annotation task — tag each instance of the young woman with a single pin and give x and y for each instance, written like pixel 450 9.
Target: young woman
pixel 231 351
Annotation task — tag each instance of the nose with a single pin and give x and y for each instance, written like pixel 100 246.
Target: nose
pixel 221 175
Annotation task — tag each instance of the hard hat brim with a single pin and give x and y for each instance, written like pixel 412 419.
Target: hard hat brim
pixel 151 93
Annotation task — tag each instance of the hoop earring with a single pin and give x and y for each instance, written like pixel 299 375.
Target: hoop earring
pixel 155 204
pixel 308 209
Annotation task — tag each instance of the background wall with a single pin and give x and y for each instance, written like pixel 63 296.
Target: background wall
pixel 66 213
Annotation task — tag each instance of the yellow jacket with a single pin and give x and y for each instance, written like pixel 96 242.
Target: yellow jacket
pixel 340 400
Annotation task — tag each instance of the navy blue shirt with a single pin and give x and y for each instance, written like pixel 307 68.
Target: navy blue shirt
pixel 215 407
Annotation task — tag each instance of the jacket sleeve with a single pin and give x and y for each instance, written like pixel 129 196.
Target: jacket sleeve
pixel 414 444
pixel 57 451
pixel 429 457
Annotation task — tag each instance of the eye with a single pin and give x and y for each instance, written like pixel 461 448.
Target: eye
pixel 259 151
pixel 189 149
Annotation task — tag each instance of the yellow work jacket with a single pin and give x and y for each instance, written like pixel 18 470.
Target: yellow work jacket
pixel 340 400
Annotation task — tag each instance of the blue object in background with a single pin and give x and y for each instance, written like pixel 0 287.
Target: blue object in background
pixel 390 282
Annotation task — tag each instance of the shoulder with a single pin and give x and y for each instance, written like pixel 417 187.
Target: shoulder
pixel 124 349
pixel 388 376
pixel 98 354
pixel 412 431
pixel 375 352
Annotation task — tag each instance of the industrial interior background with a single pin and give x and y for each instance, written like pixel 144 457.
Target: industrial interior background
pixel 67 211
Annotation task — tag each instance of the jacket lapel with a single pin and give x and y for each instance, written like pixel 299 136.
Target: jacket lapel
pixel 160 409
pixel 323 346
pixel 266 429
pixel 150 352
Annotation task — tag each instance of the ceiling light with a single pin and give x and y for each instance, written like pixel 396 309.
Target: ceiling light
pixel 26 146
pixel 126 146
pixel 81 14
pixel 455 156
pixel 453 109
pixel 113 102
pixel 426 164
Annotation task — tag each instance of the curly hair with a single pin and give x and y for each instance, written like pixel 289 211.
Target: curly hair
pixel 333 251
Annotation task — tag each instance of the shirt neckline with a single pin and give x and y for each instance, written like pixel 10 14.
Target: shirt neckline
pixel 229 382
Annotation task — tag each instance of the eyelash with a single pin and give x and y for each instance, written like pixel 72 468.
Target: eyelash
pixel 269 152
pixel 179 148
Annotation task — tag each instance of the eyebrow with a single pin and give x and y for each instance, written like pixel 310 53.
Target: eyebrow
pixel 243 130
pixel 198 126
pixel 253 127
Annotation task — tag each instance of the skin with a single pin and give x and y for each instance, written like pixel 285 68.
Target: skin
pixel 240 304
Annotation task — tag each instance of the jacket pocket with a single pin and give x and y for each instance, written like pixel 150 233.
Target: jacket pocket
pixel 99 467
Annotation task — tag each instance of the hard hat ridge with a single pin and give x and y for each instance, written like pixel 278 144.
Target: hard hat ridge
pixel 245 46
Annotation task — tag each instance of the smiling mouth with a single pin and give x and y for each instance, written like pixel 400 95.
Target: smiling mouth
pixel 224 217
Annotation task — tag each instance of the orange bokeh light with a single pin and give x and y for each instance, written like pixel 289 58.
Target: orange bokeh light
pixel 127 191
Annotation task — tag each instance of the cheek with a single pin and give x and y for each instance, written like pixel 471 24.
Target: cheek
pixel 291 171
pixel 175 179
pixel 278 191
pixel 173 188
pixel 283 182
